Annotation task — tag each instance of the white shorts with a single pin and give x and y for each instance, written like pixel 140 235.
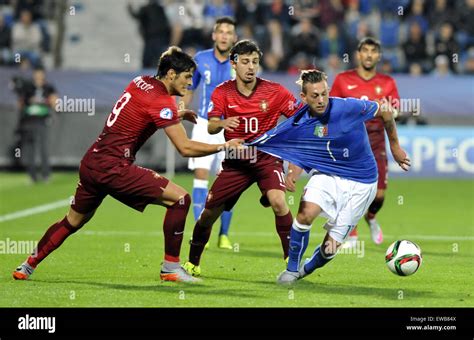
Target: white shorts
pixel 200 134
pixel 342 201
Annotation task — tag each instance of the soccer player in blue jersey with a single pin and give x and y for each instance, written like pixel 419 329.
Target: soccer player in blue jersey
pixel 213 68
pixel 328 138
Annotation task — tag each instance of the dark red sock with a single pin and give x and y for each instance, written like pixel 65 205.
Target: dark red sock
pixel 283 227
pixel 200 238
pixel 173 227
pixel 52 239
pixel 375 207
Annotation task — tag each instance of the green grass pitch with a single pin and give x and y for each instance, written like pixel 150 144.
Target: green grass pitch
pixel 115 259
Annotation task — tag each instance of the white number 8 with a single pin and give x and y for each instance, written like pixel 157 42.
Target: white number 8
pixel 117 108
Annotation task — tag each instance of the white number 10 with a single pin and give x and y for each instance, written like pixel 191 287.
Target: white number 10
pixel 251 125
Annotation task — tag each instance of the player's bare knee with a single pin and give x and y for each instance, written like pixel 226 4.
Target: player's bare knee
pixel 278 204
pixel 77 220
pixel 202 174
pixel 208 217
pixel 305 217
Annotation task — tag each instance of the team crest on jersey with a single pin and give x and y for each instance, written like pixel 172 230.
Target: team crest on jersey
pixel 166 113
pixel 264 105
pixel 321 131
pixel 378 90
pixel 210 107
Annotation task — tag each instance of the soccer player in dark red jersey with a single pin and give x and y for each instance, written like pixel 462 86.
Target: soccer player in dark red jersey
pixel 365 82
pixel 245 108
pixel 107 168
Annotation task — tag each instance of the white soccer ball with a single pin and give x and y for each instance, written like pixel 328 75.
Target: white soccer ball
pixel 403 257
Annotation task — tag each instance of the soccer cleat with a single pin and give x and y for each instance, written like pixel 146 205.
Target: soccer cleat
pixel 287 278
pixel 224 242
pixel 23 271
pixel 192 269
pixel 302 272
pixel 178 275
pixel 375 230
pixel 206 246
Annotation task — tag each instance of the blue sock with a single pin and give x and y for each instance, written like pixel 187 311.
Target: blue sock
pixel 317 260
pixel 298 244
pixel 199 197
pixel 225 222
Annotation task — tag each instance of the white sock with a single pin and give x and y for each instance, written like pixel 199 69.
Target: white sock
pixel 200 183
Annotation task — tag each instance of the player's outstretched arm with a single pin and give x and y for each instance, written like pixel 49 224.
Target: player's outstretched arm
pixel 400 156
pixel 215 125
pixel 294 172
pixel 189 148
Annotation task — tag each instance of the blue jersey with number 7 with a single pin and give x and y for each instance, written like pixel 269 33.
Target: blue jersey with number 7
pixel 334 143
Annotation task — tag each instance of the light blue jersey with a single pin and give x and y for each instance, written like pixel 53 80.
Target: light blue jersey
pixel 212 72
pixel 335 143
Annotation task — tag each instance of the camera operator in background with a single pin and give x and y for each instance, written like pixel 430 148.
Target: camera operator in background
pixel 36 101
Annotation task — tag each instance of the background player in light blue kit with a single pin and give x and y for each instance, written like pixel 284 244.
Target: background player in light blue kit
pixel 213 68
pixel 328 136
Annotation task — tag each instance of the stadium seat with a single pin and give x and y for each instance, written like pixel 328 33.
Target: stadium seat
pixel 389 30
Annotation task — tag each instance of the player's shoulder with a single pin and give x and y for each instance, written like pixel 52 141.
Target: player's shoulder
pixel 384 77
pixel 148 89
pixel 226 86
pixel 347 103
pixel 268 84
pixel 341 102
pixel 262 82
pixel 346 74
pixel 204 55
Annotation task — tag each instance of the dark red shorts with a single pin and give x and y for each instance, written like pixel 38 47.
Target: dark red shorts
pixel 238 175
pixel 377 143
pixel 380 155
pixel 130 184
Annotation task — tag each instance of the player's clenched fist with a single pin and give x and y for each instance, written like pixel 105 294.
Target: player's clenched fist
pixel 235 143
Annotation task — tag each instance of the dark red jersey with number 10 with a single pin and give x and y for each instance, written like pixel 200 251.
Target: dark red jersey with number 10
pixel 258 112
